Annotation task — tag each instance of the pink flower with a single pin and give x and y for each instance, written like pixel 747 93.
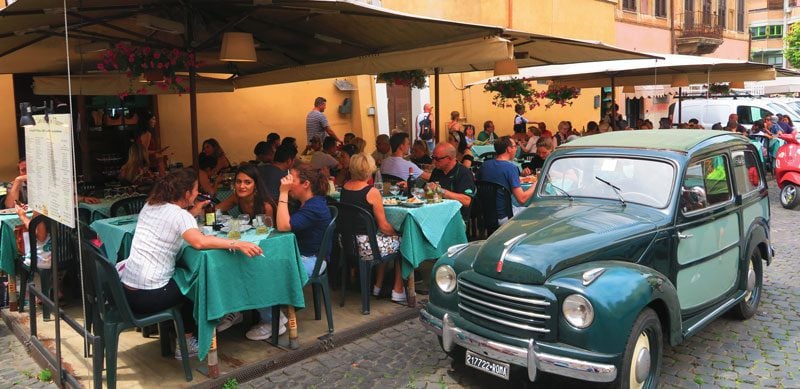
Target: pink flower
pixel 157 55
pixel 160 65
pixel 101 67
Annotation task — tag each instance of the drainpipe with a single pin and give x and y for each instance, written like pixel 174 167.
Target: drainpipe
pixel 785 30
pixel 510 13
pixel 672 26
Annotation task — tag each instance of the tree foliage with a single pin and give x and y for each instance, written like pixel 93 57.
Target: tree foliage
pixel 792 39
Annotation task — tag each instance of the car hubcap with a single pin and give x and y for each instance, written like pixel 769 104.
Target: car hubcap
pixel 788 194
pixel 640 363
pixel 751 282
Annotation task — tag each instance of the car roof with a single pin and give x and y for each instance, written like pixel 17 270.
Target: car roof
pixel 675 140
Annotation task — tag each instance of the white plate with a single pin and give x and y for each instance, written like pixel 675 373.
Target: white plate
pixel 241 228
pixel 8 211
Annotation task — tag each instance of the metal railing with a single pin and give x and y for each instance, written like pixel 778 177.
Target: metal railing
pixel 700 24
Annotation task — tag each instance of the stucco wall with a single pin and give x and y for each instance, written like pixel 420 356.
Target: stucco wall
pixel 9 156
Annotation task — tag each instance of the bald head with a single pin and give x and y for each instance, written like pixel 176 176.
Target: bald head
pixel 444 157
pixel 427 107
pixel 445 149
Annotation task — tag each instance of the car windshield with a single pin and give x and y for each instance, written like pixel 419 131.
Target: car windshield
pixel 628 180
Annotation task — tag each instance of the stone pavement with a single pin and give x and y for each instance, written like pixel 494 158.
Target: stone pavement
pixel 17 369
pixel 763 352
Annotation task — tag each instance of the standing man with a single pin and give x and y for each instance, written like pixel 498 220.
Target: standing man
pixel 316 122
pixel 455 180
pixel 424 125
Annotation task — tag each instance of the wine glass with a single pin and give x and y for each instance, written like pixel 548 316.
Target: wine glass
pixel 394 190
pixel 418 193
pixel 244 219
pixel 258 223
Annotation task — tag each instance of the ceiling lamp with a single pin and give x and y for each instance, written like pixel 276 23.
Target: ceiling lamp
pixel 505 67
pixel 680 80
pixel 736 85
pixel 237 47
pixel 628 89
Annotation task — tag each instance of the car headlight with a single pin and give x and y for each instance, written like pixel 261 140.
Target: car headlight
pixel 446 278
pixel 578 311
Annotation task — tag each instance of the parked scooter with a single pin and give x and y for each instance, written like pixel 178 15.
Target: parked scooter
pixel 787 171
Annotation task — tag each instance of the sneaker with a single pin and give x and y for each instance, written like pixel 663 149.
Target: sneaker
pixel 229 320
pixel 263 331
pixel 191 345
pixel 399 297
pixel 283 322
pixel 376 291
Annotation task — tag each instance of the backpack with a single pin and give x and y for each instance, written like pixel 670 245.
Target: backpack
pixel 425 130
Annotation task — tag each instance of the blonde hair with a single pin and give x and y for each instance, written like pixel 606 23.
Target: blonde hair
pixel 137 161
pixel 362 166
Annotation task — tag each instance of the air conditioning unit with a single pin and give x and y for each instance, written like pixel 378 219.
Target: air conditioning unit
pixel 159 24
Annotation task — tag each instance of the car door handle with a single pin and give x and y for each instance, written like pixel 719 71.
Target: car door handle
pixel 684 236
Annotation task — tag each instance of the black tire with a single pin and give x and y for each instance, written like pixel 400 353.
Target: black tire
pixel 646 339
pixel 755 282
pixel 790 197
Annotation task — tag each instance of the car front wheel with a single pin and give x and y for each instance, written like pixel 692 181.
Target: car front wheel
pixel 748 306
pixel 789 196
pixel 641 362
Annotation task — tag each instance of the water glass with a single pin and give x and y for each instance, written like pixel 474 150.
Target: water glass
pixel 244 219
pixel 258 223
pixel 378 185
pixel 233 230
pixel 419 193
pixel 394 190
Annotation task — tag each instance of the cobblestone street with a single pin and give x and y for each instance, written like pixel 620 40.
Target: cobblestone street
pixel 17 369
pixel 762 352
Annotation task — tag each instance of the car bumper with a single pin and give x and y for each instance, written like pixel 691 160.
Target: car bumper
pixel 527 357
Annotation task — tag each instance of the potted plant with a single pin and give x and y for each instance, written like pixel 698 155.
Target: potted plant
pixel 413 78
pixel 559 94
pixel 719 89
pixel 155 66
pixel 513 91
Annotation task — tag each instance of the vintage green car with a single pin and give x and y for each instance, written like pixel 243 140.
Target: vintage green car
pixel 633 238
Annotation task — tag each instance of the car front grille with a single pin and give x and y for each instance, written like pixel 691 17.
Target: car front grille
pixel 522 316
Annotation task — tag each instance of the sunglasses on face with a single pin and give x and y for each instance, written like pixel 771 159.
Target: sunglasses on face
pixel 437 159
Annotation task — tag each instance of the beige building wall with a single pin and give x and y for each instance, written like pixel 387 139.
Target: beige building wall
pixel 9 155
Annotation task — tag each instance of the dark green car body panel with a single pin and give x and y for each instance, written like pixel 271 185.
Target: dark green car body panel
pixel 636 245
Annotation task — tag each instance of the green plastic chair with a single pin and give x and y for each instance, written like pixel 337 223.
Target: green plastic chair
pixel 27 273
pixel 116 316
pixel 128 206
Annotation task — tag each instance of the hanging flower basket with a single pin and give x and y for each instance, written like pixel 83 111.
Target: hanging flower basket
pixel 413 78
pixel 507 93
pixel 719 89
pixel 561 95
pixel 155 66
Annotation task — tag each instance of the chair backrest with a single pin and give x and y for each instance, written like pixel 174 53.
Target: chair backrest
pixel 107 286
pixel 88 274
pixel 357 217
pixel 488 155
pixel 35 222
pixel 128 206
pixel 487 196
pixel 327 241
pixel 84 220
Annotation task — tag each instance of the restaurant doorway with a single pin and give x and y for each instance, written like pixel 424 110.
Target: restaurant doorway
pixel 399 104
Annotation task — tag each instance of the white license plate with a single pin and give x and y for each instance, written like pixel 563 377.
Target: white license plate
pixel 487 365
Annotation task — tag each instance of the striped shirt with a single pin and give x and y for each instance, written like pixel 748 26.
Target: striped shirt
pixel 315 125
pixel 156 242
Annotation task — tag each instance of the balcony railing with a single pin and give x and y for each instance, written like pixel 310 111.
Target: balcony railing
pixel 700 24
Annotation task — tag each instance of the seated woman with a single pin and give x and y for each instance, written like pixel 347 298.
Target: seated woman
pixel 164 224
pixel 207 164
pixel 136 170
pixel 212 148
pixel 463 153
pixel 250 195
pixel 308 186
pixel 358 192
pixel 420 154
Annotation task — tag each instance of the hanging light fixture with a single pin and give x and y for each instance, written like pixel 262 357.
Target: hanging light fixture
pixel 26 117
pixel 628 89
pixel 237 47
pixel 505 67
pixel 680 80
pixel 736 85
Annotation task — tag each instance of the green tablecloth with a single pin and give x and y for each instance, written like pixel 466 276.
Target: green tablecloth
pixel 101 210
pixel 427 231
pixel 220 282
pixel 8 243
pixel 116 233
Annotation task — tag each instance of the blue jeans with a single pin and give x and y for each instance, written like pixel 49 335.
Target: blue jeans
pixel 308 263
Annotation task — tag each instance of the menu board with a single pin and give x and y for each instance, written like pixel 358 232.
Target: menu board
pixel 51 182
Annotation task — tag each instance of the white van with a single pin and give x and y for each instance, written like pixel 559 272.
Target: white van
pixel 713 111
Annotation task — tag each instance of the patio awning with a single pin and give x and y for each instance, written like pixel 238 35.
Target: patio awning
pixel 699 70
pixel 289 35
pixel 112 84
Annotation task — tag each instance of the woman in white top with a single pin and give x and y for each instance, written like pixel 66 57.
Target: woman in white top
pixel 164 224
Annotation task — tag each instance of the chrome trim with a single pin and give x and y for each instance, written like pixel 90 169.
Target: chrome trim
pixel 502 308
pixel 527 357
pixel 590 275
pixel 504 322
pixel 544 303
pixel 509 244
pixel 714 314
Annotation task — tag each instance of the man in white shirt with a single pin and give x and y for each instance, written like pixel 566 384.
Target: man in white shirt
pixel 382 149
pixel 426 113
pixel 396 165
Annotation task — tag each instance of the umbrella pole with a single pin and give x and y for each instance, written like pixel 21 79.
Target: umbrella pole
pixel 680 105
pixel 613 103
pixel 436 105
pixel 193 99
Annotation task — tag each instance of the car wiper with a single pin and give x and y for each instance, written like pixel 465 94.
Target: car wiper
pixel 550 182
pixel 616 189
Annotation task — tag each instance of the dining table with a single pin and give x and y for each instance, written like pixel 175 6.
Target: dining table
pixel 101 210
pixel 221 282
pixel 8 242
